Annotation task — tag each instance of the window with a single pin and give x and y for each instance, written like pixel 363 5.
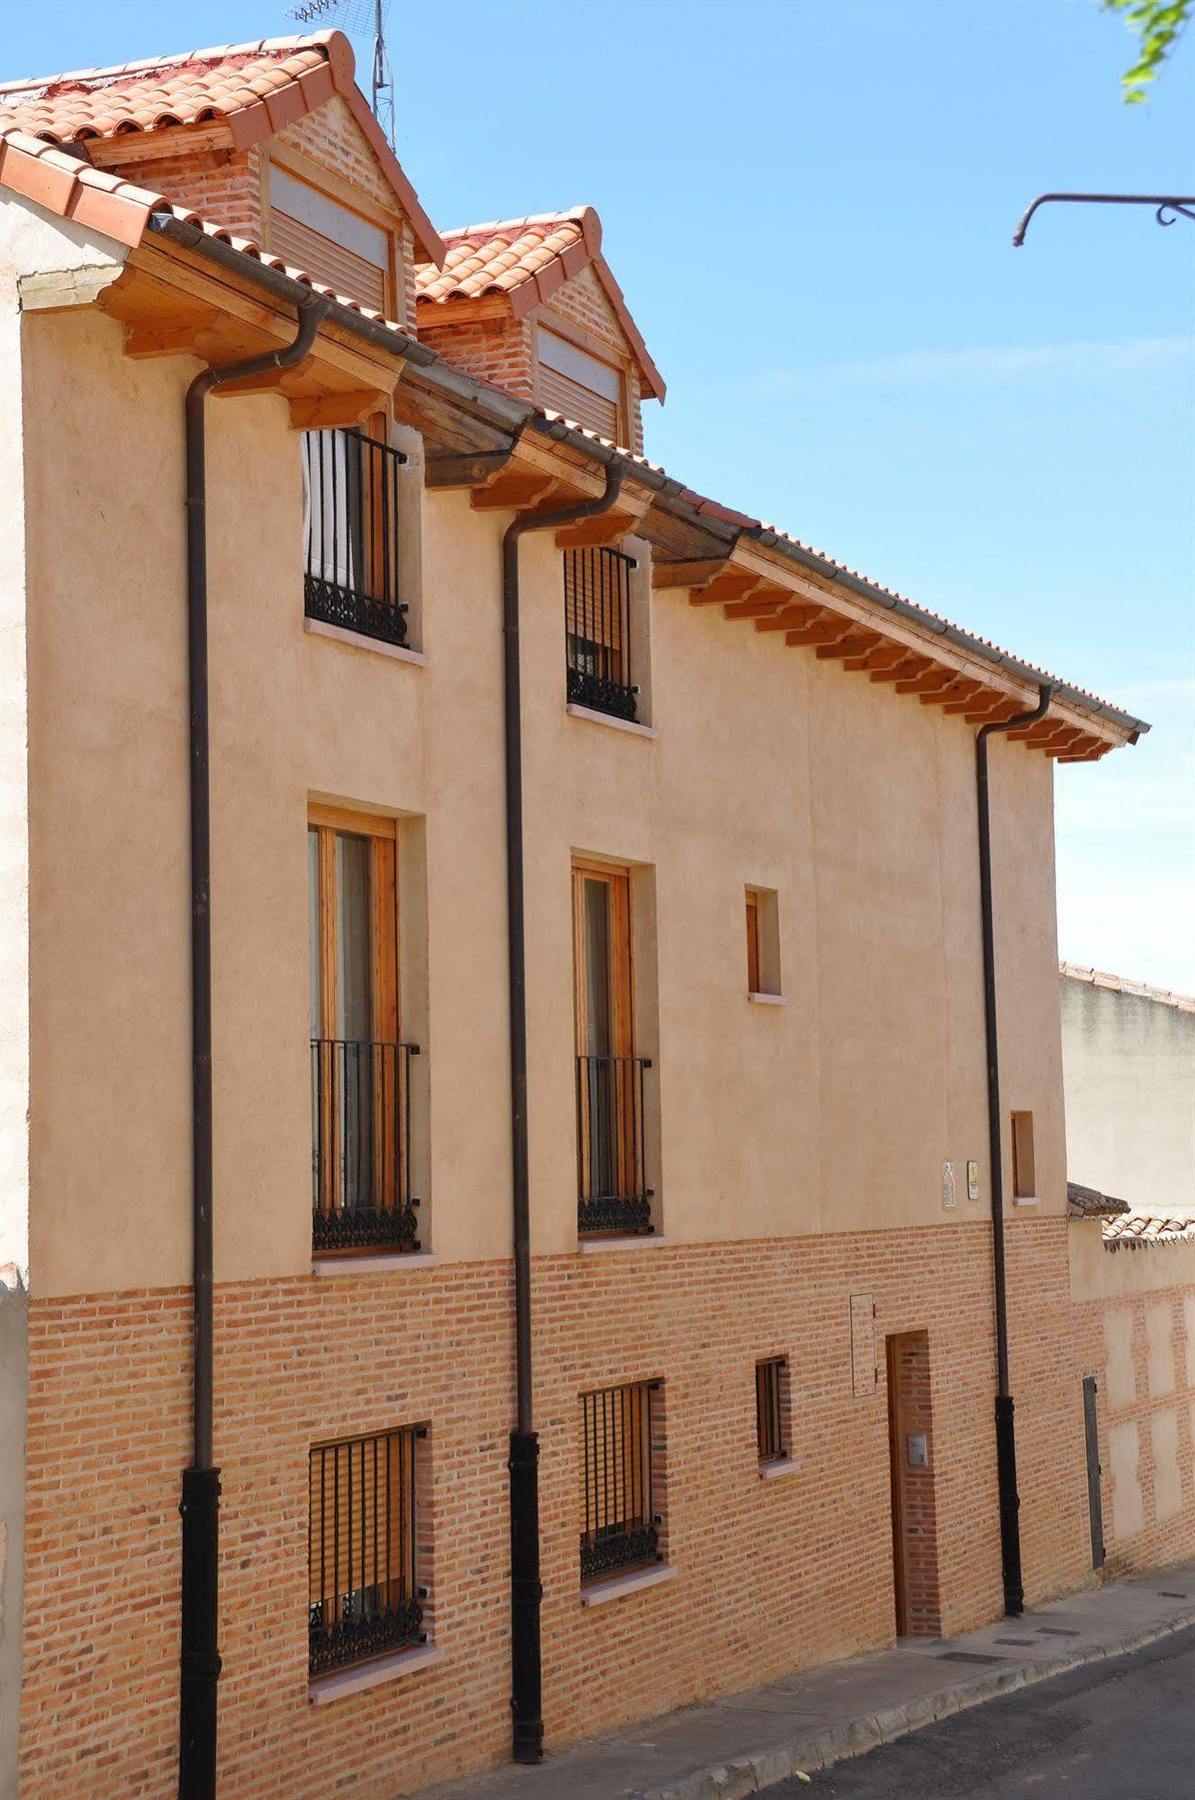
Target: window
pixel 598 634
pixel 771 1408
pixel 621 1444
pixel 1024 1175
pixel 362 1549
pixel 612 1191
pixel 360 1071
pixel 753 986
pixel 763 943
pixel 351 506
pixel 315 233
pixel 580 386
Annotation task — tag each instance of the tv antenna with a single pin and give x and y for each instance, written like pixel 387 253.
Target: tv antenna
pixel 359 18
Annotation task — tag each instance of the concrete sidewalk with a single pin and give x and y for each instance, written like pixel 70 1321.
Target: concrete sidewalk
pixel 732 1747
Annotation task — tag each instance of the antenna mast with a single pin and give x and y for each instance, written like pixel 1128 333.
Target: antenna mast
pixel 354 16
pixel 383 77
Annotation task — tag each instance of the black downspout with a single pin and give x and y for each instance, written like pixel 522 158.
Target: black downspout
pixel 200 1659
pixel 526 1592
pixel 1006 1443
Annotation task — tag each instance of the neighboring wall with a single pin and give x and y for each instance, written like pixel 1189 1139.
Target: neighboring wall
pixel 1135 1333
pixel 1129 1069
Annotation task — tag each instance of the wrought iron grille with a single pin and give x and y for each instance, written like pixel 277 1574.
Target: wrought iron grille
pixel 621 1525
pixel 351 515
pixel 363 1598
pixel 612 1190
pixel 361 1146
pixel 597 623
pixel 769 1419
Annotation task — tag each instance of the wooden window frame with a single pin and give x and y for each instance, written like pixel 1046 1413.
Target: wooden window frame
pixel 1024 1157
pixel 617 878
pixel 329 822
pixel 753 975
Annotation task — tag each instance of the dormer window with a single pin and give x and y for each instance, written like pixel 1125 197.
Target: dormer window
pixel 328 241
pixel 581 386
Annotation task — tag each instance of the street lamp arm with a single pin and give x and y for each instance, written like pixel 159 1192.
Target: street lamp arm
pixel 1167 206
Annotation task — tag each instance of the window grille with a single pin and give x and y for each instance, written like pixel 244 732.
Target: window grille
pixel 618 1498
pixel 361 1146
pixel 769 1409
pixel 362 1556
pixel 350 530
pixel 597 623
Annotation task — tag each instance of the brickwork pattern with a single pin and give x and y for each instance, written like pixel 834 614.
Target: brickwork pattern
pixel 771 1575
pixel 1159 1409
pixel 496 350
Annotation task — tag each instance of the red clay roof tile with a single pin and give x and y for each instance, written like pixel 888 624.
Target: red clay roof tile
pixel 527 260
pixel 256 89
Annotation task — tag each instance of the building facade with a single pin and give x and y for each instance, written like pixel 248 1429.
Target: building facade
pixel 760 1272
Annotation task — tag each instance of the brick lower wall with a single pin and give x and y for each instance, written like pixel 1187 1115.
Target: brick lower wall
pixel 771 1575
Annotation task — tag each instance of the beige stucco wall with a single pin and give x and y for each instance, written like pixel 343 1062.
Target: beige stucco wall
pixel 767 766
pixel 1100 1274
pixel 1129 1067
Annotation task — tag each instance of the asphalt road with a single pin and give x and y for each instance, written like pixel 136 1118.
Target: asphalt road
pixel 1117 1730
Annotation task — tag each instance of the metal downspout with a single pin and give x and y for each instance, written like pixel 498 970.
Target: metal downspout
pixel 526 1592
pixel 1006 1447
pixel 200 1657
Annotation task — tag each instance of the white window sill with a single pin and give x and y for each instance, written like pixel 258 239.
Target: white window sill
pixel 357 640
pixel 601 718
pixel 370 1265
pixel 326 1688
pixel 617 1586
pixel 1025 1200
pixel 772 1471
pixel 767 999
pixel 593 1246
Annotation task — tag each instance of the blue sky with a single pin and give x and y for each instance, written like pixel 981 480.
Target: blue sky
pixel 809 206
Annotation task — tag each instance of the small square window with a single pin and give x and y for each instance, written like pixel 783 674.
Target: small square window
pixel 1024 1174
pixel 771 1409
pixel 763 942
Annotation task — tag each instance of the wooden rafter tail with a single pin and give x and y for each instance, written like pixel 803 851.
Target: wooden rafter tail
pixel 1098 748
pixel 684 574
pixel 793 618
pixel 853 643
pixel 321 412
pixel 932 681
pixel 827 631
pixel 757 607
pixel 607 528
pixel 910 664
pixel 983 695
pixel 730 584
pixel 960 689
pixel 516 489
pixel 1046 731
pixel 884 656
pixel 994 712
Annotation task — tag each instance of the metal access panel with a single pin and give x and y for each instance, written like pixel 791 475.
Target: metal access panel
pixel 1095 1502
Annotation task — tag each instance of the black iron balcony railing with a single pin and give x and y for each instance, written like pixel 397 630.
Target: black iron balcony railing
pixel 612 1191
pixel 597 624
pixel 361 1146
pixel 351 515
pixel 363 1598
pixel 621 1529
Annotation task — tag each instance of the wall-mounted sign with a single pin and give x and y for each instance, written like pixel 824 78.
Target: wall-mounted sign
pixel 948 1185
pixel 973 1181
pixel 918 1444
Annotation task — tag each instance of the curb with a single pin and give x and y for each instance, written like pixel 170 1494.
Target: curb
pixel 854 1737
